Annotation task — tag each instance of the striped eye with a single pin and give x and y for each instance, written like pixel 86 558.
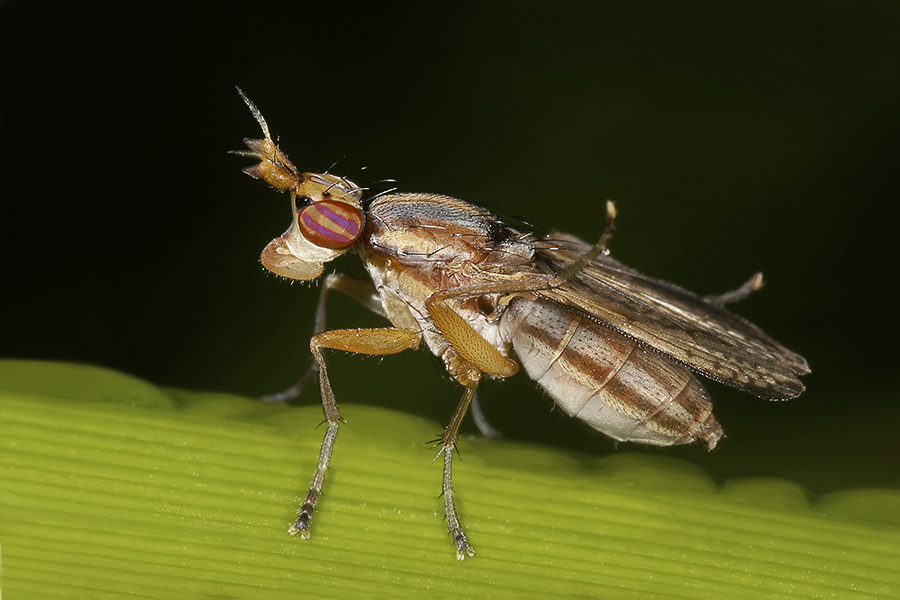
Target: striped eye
pixel 330 224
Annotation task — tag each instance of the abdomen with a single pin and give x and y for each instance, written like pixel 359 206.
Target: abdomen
pixel 607 380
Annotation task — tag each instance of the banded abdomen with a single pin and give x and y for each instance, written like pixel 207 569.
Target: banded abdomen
pixel 607 380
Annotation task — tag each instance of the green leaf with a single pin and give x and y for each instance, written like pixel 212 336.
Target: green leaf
pixel 110 486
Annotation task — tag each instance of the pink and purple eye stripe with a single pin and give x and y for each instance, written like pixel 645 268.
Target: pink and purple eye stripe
pixel 330 224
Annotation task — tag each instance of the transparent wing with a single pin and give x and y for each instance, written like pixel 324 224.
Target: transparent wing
pixel 695 332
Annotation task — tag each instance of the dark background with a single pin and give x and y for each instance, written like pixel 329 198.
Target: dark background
pixel 734 136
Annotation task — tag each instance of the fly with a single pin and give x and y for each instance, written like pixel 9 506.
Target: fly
pixel 615 348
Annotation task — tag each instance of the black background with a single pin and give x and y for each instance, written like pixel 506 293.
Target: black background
pixel 734 137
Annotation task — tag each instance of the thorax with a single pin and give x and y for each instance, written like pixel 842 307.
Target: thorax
pixel 419 244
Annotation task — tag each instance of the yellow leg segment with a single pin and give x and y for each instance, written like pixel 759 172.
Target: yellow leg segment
pixel 386 340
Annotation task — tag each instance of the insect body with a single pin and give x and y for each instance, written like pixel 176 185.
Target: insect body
pixel 613 347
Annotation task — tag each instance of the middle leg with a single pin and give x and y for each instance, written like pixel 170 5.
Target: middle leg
pixel 448 440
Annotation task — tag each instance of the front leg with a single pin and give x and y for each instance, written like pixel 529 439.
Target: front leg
pixel 363 292
pixel 387 340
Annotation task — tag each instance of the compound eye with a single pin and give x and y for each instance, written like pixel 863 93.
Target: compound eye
pixel 330 224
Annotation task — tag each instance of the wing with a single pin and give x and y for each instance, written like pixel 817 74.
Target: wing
pixel 695 332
